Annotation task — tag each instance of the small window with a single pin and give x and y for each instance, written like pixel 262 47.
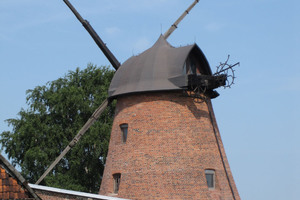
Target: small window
pixel 193 67
pixel 124 129
pixel 184 68
pixel 190 66
pixel 210 178
pixel 117 180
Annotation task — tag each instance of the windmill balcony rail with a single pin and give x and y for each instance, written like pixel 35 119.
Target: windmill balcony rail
pixel 206 81
pixel 205 84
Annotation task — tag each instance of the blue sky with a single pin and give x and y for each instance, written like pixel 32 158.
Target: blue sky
pixel 40 40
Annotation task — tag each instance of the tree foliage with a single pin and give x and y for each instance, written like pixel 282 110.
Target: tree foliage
pixel 56 112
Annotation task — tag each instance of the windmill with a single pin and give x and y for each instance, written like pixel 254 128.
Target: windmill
pixel 164 143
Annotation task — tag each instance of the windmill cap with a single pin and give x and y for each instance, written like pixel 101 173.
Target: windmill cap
pixel 159 68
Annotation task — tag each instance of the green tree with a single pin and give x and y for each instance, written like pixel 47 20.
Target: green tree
pixel 56 112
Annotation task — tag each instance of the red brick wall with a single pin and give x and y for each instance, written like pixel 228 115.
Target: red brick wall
pixel 170 144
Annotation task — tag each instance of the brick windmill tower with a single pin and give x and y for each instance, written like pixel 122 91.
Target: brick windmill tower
pixel 165 143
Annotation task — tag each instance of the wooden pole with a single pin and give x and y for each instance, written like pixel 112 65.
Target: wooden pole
pixel 82 131
pixel 174 26
pixel 109 55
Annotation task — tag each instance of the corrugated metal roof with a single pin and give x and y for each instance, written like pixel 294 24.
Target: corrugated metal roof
pixel 159 68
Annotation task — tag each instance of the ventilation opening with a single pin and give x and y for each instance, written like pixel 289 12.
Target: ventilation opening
pixel 210 178
pixel 117 180
pixel 124 130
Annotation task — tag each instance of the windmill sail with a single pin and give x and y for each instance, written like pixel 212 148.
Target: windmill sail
pixel 174 26
pixel 115 63
pixel 109 55
pixel 82 131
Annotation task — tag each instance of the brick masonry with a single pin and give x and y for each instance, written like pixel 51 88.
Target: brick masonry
pixel 170 144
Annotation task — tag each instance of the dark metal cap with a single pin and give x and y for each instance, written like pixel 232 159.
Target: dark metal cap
pixel 160 68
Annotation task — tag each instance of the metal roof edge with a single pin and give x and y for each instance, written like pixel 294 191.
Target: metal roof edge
pixel 144 92
pixel 71 192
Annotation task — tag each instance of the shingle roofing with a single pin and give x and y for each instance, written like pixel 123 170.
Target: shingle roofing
pixel 9 187
pixel 159 68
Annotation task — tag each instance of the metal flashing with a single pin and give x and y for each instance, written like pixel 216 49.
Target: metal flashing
pixel 71 192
